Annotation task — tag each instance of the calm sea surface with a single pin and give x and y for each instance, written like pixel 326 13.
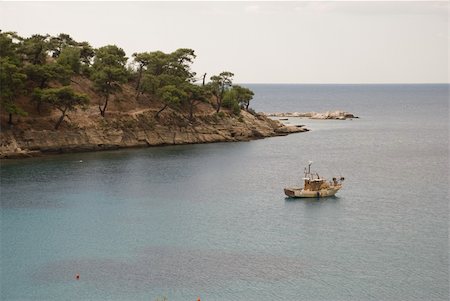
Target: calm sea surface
pixel 211 221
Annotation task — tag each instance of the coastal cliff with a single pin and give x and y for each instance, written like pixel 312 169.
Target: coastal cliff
pixel 93 133
pixel 130 122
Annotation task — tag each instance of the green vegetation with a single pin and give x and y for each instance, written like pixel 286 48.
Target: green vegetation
pixel 171 96
pixel 46 71
pixel 64 99
pixel 12 81
pixel 109 73
pixel 219 85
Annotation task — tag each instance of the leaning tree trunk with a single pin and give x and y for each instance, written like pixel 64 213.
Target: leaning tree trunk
pixel 137 95
pixel 60 120
pixel 103 110
pixel 219 98
pixel 138 84
pixel 38 106
pixel 219 104
pixel 43 83
pixel 157 113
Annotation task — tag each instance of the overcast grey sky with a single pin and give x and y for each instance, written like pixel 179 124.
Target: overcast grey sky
pixel 263 42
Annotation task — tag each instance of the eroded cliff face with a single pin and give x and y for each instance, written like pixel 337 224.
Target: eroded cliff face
pixel 136 130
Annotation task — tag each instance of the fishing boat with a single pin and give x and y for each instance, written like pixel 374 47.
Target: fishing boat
pixel 314 186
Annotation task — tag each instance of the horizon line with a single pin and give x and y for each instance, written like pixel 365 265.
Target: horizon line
pixel 278 83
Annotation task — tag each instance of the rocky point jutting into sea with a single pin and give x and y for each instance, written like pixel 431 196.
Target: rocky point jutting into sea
pixel 93 133
pixel 61 95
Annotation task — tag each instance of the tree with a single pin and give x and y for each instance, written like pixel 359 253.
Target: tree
pixel 77 55
pixel 7 46
pixel 86 55
pixel 176 64
pixel 58 43
pixel 243 96
pixel 143 60
pixel 42 75
pixel 195 94
pixel 63 99
pixel 69 57
pixel 12 81
pixel 218 85
pixel 158 69
pixel 151 65
pixel 171 96
pixel 35 49
pixel 150 83
pixel 180 63
pixel 158 63
pixel 236 98
pixel 230 101
pixel 109 72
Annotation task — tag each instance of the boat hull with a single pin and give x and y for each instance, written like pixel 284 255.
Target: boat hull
pixel 295 192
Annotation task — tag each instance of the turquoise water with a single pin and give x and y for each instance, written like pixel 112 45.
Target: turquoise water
pixel 211 221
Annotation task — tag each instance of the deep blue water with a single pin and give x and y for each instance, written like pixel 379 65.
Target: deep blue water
pixel 211 221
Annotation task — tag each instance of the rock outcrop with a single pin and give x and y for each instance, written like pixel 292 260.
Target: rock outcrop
pixel 138 130
pixel 337 115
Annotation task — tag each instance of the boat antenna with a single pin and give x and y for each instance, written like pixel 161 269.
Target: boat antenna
pixel 309 166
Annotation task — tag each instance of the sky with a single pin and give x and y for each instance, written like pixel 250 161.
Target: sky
pixel 263 42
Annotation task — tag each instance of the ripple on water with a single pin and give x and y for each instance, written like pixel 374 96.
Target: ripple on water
pixel 173 267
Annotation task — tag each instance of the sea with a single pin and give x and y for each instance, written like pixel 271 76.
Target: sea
pixel 211 221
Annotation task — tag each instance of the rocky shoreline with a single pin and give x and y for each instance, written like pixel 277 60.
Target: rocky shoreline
pixel 137 131
pixel 335 115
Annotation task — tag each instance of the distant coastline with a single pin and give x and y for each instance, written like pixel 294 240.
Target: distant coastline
pixel 335 115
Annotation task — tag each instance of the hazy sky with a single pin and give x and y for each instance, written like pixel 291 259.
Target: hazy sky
pixel 263 42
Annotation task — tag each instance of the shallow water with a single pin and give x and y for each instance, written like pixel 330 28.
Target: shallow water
pixel 211 221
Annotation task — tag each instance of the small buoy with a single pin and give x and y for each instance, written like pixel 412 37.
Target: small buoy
pixel 77 276
pixel 81 161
